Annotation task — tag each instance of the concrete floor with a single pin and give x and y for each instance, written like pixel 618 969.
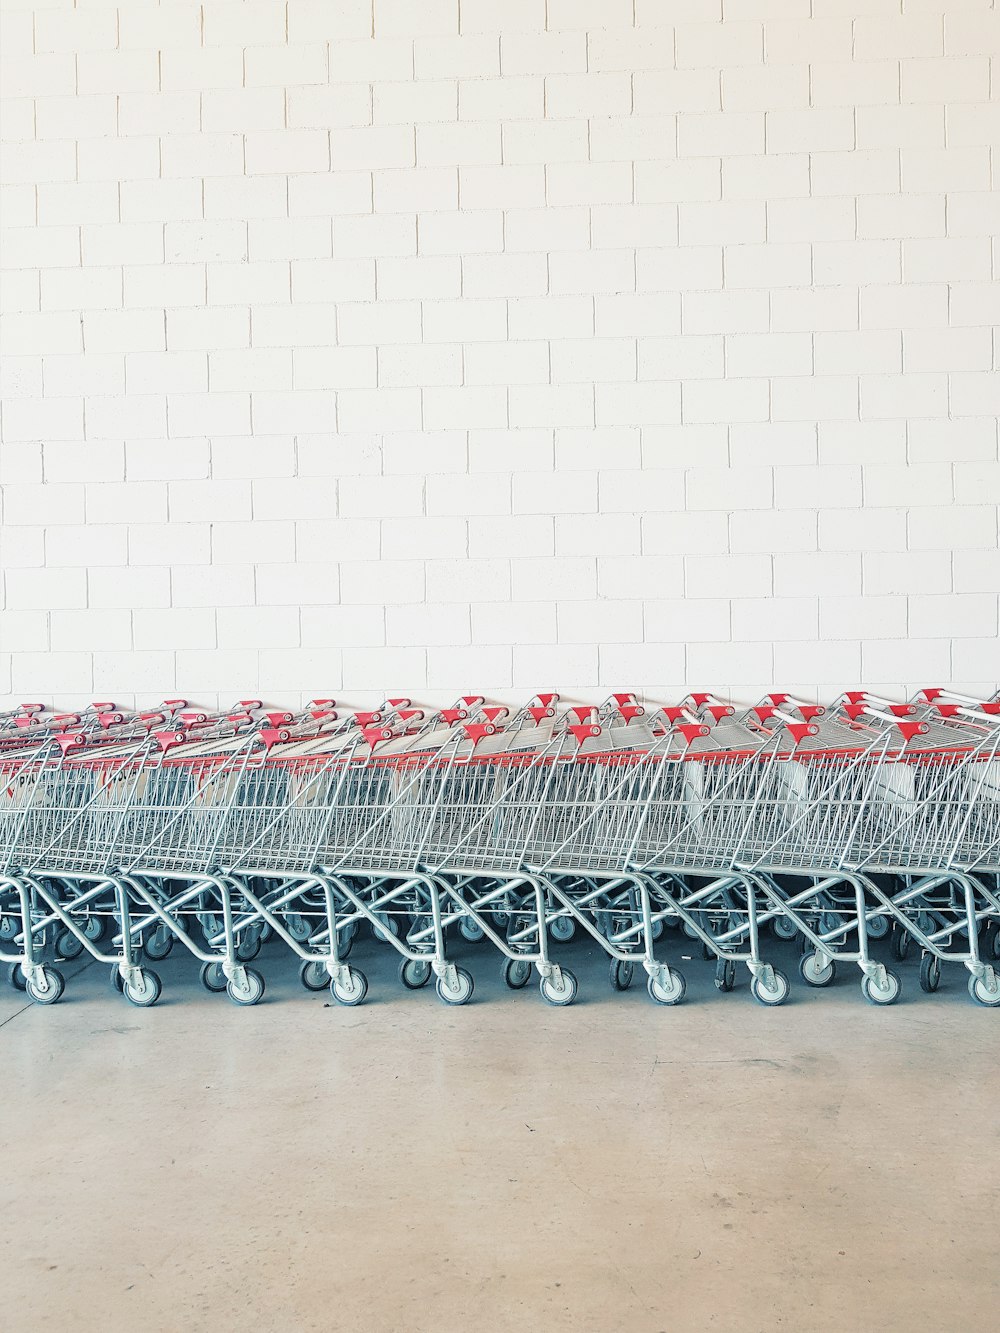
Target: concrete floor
pixel 508 1166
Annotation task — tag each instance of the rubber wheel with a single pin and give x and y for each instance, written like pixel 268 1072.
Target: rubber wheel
pixel 816 971
pixel 68 946
pixel 930 973
pixel 881 995
pixel 51 988
pixel 345 941
pixel 899 943
pixel 559 991
pixel 773 995
pixel 515 973
pixel 622 971
pixel 297 926
pixel 117 980
pixel 93 928
pixel 878 927
pixel 725 974
pixel 414 973
pixel 248 993
pixel 16 977
pixel 471 929
pixel 158 944
pixel 351 992
pixel 247 947
pixel 670 993
pixel 461 993
pixel 562 929
pixel 784 928
pixel 213 978
pixel 147 992
pixel 389 926
pixel 983 994
pixel 313 974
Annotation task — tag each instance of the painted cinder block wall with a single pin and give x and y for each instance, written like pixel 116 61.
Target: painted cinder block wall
pixel 500 344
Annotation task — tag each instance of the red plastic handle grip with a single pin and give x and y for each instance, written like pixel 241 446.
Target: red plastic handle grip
pixel 175 703
pixel 538 712
pixel 375 734
pixel 584 730
pixel 278 719
pixel 471 700
pixel 453 715
pixel 410 714
pixel 631 711
pixel 623 699
pixel 546 699
pixel 583 713
pixel 800 730
pixel 32 708
pixel 911 729
pixel 111 719
pixel 494 714
pixel 692 730
pixel 272 735
pixel 69 740
pixel 719 711
pixel 168 739
pixel 477 730
pixel 368 719
pixel 322 703
pixel 399 703
pixel 250 703
pixel 103 707
pixel 809 711
pixel 193 718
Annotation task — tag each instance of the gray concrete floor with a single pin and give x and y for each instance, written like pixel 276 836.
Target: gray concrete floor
pixel 507 1166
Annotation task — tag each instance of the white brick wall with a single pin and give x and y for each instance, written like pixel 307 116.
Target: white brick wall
pixel 358 345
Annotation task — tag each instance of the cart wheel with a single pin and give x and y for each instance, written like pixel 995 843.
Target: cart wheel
pixel 930 973
pixel 313 974
pixel 515 973
pixel 47 988
pixel 8 927
pixel 248 991
pixel 116 979
pixel 899 943
pixel 461 993
pixel 622 972
pixel 771 995
pixel 16 977
pixel 93 928
pixel 212 976
pixel 297 926
pixel 562 929
pixel 471 929
pixel 887 994
pixel 784 927
pixel 878 927
pixel 986 990
pixel 351 992
pixel 561 991
pixel 68 946
pixel 414 973
pixel 657 929
pixel 145 991
pixel 990 945
pixel 158 944
pixel 247 947
pixel 817 970
pixel 671 992
pixel 725 974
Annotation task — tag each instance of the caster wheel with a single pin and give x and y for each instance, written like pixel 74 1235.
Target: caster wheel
pixel 158 945
pixel 689 931
pixel 414 973
pixel 247 948
pixel 145 991
pixel 899 943
pixel 784 927
pixel 248 991
pixel 559 989
pixel 93 928
pixel 888 993
pixel 353 990
pixel 471 929
pixel 16 977
pixel 670 991
pixel 461 992
pixel 313 974
pixel 117 980
pixel 68 946
pixel 725 974
pixel 930 973
pixel 817 970
pixel 213 978
pixel 773 993
pixel 878 927
pixel 296 925
pixel 47 988
pixel 622 972
pixel 562 929
pixel 8 927
pixel 657 929
pixel 345 941
pixel 389 926
pixel 515 973
pixel 986 990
